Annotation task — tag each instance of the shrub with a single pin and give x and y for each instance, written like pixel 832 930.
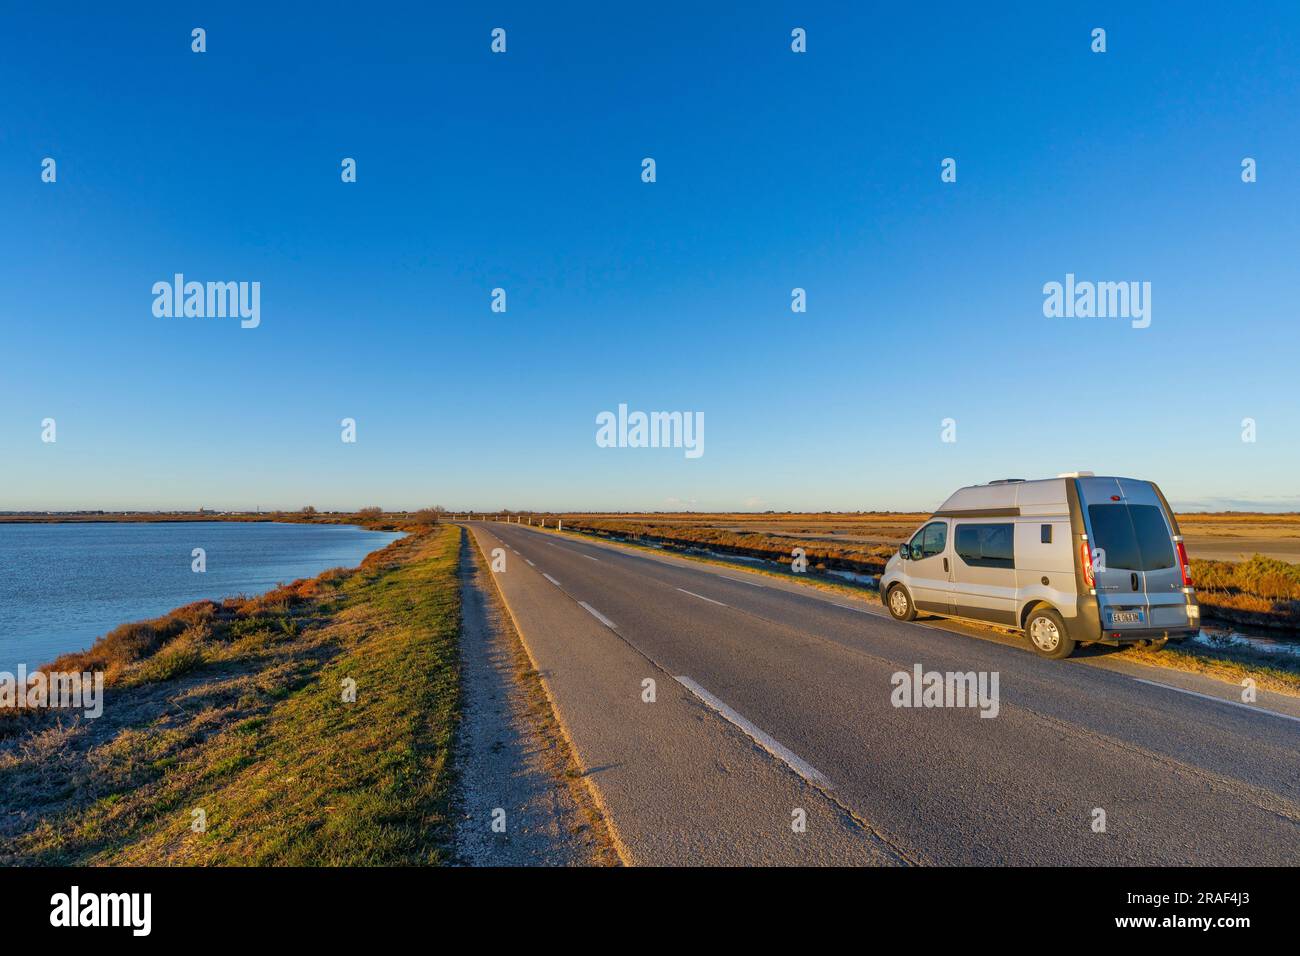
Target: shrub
pixel 1261 577
pixel 128 643
pixel 168 663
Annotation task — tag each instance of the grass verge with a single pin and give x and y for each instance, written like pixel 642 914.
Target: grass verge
pixel 237 710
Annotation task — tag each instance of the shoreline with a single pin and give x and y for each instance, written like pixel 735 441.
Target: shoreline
pixel 230 591
pixel 259 712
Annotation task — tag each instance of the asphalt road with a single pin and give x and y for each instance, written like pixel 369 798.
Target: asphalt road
pixel 773 708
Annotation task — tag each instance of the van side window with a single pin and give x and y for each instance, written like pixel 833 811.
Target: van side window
pixel 986 545
pixel 1046 534
pixel 929 541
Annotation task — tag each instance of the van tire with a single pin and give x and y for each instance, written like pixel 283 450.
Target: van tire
pixel 1047 636
pixel 900 604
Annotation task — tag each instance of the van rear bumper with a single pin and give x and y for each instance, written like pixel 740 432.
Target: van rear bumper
pixel 1087 629
pixel 1133 635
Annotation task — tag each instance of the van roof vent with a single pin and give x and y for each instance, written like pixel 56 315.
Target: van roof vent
pixel 1006 481
pixel 1077 474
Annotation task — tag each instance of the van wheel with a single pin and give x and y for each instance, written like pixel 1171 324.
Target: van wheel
pixel 1046 633
pixel 900 604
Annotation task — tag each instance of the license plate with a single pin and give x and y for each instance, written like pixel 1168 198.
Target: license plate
pixel 1126 617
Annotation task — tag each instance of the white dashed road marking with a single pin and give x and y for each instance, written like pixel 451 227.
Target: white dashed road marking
pixel 598 616
pixel 701 597
pixel 766 741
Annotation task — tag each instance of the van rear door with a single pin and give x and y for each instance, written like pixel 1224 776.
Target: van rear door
pixel 1139 580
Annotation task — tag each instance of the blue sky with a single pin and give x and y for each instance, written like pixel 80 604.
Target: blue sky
pixel 775 170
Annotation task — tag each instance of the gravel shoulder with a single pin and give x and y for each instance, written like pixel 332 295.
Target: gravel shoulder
pixel 511 753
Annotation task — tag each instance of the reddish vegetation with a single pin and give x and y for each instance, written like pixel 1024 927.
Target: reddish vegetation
pixel 1262 591
pixel 128 643
pixel 823 555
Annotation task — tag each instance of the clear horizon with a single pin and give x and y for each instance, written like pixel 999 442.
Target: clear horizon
pixel 522 171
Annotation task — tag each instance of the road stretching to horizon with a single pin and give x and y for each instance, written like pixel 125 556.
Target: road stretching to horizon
pixel 772 705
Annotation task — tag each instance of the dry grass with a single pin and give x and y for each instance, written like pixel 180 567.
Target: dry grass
pixel 1260 592
pixel 1226 664
pixel 822 555
pixel 236 709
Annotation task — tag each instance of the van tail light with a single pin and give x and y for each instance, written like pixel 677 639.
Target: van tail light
pixel 1184 565
pixel 1085 561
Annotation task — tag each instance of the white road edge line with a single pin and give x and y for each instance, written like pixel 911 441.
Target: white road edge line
pixel 551 579
pixel 850 607
pixel 781 752
pixel 701 597
pixel 590 558
pixel 530 564
pixel 1218 700
pixel 598 616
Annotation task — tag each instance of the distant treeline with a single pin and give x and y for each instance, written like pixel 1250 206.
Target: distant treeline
pixel 371 517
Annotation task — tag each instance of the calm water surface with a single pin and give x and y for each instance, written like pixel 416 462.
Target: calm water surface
pixel 64 585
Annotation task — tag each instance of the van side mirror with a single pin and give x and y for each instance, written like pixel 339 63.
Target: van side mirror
pixel 904 550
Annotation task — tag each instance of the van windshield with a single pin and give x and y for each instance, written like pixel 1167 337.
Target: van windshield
pixel 1132 537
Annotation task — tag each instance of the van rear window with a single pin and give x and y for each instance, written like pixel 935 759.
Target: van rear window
pixel 1133 537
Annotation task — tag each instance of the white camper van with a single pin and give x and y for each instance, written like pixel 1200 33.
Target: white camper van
pixel 1070 560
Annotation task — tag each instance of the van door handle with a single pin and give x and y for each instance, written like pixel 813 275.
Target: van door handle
pixel 945 564
pixel 1134 578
